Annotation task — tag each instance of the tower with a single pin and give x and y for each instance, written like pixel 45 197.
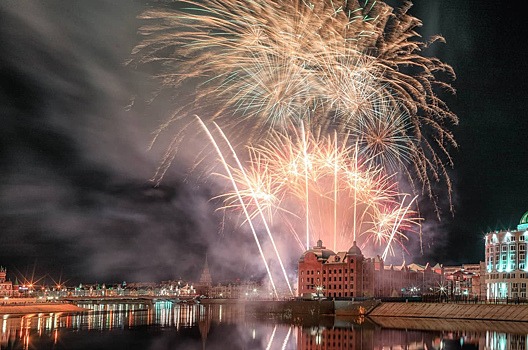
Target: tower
pixel 205 282
pixel 205 277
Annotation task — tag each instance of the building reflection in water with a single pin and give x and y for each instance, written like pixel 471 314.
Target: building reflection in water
pixel 22 332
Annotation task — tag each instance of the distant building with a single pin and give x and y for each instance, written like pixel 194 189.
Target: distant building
pixel 350 274
pixel 239 290
pixel 465 281
pixel 6 287
pixel 205 282
pixel 506 265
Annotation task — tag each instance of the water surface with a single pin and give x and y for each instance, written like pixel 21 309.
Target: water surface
pixel 166 325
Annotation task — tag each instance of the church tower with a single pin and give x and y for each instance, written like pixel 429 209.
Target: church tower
pixel 205 277
pixel 205 282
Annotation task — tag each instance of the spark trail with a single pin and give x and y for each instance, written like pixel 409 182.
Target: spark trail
pixel 351 65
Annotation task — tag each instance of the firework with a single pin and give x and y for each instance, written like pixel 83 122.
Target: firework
pixel 265 65
pixel 322 99
pixel 308 176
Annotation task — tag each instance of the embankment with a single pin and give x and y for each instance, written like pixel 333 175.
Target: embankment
pixel 494 312
pixel 37 308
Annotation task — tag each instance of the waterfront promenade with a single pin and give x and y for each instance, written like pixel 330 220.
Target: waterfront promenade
pixel 374 309
pixel 460 311
pixel 36 308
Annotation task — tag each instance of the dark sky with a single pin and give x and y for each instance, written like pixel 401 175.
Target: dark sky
pixel 75 197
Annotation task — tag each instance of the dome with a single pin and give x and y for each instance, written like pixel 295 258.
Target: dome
pixel 319 250
pixel 354 250
pixel 524 219
pixel 523 224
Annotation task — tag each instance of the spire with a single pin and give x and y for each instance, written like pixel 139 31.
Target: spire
pixel 205 277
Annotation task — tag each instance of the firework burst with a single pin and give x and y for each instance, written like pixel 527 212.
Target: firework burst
pixel 322 98
pixel 267 65
pixel 314 177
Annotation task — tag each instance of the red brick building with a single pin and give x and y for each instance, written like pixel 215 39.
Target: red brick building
pixel 350 274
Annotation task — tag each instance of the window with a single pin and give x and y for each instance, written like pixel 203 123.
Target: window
pixel 512 247
pixel 504 248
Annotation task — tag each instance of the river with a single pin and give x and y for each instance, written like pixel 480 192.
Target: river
pixel 166 325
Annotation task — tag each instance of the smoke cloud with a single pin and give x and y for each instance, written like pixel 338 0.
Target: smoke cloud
pixel 76 200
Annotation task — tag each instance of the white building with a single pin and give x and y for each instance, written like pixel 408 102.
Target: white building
pixel 506 264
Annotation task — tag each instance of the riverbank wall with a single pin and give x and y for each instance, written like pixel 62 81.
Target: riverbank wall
pixel 37 308
pixel 375 309
pixel 495 312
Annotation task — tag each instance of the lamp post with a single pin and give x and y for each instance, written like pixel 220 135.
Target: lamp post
pixel 319 291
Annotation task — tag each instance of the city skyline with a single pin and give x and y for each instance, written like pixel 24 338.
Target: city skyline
pixel 75 195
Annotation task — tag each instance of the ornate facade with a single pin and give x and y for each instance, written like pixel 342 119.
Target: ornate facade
pixel 349 274
pixel 6 287
pixel 506 264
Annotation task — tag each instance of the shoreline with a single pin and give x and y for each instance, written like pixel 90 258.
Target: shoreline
pixel 383 311
pixel 37 308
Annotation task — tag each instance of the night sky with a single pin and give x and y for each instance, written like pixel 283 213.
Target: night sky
pixel 76 200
